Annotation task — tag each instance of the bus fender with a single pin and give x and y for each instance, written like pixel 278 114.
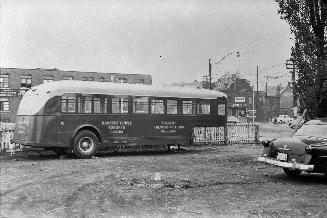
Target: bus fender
pixel 90 128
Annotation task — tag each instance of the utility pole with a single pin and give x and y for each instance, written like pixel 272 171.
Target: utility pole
pixel 252 104
pixel 257 95
pixel 210 87
pixel 290 65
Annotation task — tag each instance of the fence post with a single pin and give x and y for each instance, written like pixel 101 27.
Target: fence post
pixel 226 134
pixel 256 139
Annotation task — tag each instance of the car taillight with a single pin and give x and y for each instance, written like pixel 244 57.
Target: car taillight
pixel 308 149
pixel 265 143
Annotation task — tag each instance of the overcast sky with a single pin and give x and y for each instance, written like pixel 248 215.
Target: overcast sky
pixel 170 39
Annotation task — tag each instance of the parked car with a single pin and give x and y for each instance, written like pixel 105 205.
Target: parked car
pixel 284 119
pixel 298 122
pixel 233 120
pixel 306 150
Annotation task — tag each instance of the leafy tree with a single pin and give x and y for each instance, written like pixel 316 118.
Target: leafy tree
pixel 307 20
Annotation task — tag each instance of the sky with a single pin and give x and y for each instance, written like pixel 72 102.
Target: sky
pixel 172 40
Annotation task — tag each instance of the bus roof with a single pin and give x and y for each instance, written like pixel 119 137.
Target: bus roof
pixel 90 87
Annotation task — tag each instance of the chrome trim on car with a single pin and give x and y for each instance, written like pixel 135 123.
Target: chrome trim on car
pixel 293 165
pixel 284 148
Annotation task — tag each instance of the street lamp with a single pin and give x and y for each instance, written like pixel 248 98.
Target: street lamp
pixel 219 62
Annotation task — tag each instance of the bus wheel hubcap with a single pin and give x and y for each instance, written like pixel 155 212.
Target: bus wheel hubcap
pixel 86 144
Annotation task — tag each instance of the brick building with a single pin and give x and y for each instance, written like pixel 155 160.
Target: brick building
pixel 14 82
pixel 239 95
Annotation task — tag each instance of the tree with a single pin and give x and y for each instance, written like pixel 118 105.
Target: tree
pixel 307 20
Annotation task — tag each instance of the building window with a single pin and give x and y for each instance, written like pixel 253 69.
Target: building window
pixel 47 79
pixel 188 107
pixel 122 80
pixel 171 106
pixel 120 105
pixel 157 106
pixel 139 81
pixel 67 78
pixel 4 104
pixel 26 81
pixel 4 81
pixel 101 79
pixel 140 105
pixel 84 78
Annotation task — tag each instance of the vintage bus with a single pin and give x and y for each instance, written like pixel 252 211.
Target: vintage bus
pixel 84 117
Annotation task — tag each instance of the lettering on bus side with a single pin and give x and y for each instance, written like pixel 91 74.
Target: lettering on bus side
pixel 116 126
pixel 167 127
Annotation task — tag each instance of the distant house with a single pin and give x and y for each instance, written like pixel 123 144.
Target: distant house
pixel 286 101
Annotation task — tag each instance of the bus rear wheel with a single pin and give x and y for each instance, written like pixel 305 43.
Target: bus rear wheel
pixel 85 144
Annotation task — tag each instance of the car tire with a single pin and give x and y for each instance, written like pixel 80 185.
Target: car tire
pixel 85 144
pixel 291 172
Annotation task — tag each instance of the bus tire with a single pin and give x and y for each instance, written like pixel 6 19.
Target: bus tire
pixel 85 144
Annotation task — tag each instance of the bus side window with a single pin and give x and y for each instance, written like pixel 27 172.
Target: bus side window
pixel 171 106
pixel 68 103
pixel 84 103
pixel 157 106
pixel 100 104
pixel 221 108
pixel 188 107
pixel 141 105
pixel 52 106
pixel 120 105
pixel 203 106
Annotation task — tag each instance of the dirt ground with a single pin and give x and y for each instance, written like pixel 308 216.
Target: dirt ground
pixel 206 181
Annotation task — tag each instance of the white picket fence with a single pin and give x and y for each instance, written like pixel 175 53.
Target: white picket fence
pixel 5 145
pixel 236 133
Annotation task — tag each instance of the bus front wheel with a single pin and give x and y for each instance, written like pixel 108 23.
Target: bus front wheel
pixel 85 144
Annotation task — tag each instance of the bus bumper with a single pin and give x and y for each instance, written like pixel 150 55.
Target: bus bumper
pixel 37 145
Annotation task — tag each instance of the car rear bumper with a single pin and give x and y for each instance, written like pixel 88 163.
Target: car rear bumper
pixel 293 165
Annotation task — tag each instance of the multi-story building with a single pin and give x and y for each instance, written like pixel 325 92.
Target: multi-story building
pixel 14 82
